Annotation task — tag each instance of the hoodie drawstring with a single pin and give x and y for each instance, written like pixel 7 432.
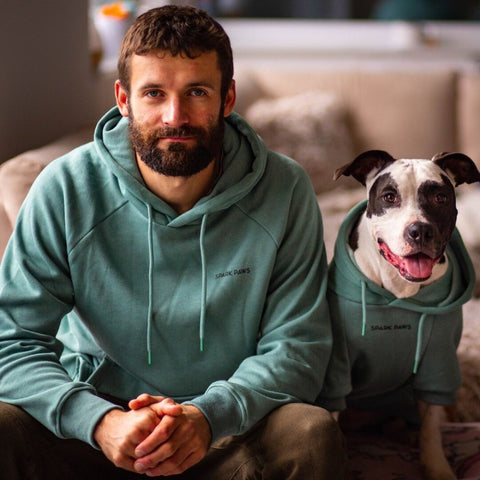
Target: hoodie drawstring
pixel 204 282
pixel 150 284
pixel 419 342
pixel 364 309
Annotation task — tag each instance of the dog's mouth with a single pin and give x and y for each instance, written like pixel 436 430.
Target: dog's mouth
pixel 414 268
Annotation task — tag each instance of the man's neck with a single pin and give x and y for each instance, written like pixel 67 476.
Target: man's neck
pixel 181 193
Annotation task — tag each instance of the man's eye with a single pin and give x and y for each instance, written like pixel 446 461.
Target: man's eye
pixel 198 92
pixel 153 94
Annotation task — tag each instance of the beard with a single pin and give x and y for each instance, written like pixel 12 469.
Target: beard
pixel 178 159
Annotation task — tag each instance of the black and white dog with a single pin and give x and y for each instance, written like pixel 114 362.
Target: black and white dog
pixel 401 243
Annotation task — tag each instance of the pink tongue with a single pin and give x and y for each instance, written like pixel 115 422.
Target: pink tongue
pixel 418 266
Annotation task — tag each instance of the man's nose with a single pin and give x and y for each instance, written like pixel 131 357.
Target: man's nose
pixel 175 112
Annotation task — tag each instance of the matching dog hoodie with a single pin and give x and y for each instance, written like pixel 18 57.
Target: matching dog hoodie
pixel 390 351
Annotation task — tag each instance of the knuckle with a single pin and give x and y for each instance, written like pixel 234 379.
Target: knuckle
pixel 189 429
pixel 168 451
pixel 171 467
pixel 117 459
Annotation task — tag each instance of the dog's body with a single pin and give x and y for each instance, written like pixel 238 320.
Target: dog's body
pixel 400 244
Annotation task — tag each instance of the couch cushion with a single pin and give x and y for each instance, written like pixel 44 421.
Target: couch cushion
pixel 407 113
pixel 310 127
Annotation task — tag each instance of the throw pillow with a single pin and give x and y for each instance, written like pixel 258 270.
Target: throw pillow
pixel 311 128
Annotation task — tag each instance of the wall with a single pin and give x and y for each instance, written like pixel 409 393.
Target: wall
pixel 327 44
pixel 45 75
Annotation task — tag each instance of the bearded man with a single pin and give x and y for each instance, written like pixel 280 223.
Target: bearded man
pixel 162 299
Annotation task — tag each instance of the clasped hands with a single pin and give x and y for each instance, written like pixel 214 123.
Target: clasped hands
pixel 156 437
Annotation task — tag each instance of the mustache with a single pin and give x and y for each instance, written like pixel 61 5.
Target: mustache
pixel 185 131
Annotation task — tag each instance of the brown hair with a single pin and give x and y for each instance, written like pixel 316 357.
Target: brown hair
pixel 179 30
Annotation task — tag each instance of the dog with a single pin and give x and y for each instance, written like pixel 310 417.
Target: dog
pixel 400 250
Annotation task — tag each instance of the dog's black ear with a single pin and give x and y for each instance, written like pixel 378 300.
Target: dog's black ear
pixel 364 164
pixel 461 167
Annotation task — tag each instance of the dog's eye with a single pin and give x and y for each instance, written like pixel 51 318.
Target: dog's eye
pixel 389 197
pixel 441 198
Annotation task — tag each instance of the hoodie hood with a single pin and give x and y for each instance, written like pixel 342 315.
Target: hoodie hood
pixel 238 178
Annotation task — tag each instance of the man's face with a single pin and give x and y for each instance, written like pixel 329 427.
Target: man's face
pixel 175 111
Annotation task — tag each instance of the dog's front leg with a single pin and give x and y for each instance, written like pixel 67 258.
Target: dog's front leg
pixel 432 455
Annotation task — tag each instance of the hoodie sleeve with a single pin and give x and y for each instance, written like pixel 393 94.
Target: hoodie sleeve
pixel 295 340
pixel 35 293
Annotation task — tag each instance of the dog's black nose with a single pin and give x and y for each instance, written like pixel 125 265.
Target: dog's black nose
pixel 420 233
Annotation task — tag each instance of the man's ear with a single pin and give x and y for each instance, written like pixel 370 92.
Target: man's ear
pixel 122 98
pixel 230 100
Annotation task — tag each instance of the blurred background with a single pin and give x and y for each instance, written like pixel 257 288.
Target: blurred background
pixel 59 57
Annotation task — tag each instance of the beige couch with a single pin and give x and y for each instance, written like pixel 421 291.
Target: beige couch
pixel 323 119
pixel 408 113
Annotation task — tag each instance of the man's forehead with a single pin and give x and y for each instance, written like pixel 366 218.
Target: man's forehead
pixel 201 70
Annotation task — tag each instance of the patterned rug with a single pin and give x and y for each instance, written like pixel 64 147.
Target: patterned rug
pixel 374 456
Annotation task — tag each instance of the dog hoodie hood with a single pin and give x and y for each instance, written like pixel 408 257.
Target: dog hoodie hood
pixel 351 291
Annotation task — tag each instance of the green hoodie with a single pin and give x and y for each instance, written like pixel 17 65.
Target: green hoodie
pixel 104 288
pixel 388 351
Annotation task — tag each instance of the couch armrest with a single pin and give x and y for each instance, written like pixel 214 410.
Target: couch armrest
pixel 18 174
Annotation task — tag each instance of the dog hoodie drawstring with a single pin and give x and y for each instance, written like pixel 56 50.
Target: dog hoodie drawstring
pixel 418 349
pixel 150 284
pixel 364 308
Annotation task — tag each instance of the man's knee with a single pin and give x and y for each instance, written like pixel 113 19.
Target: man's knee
pixel 12 425
pixel 16 458
pixel 304 421
pixel 307 439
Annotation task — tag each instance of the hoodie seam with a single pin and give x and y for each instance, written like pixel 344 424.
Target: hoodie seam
pixel 93 227
pixel 260 224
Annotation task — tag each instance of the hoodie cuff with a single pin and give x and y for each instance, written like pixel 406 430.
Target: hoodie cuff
pixel 80 414
pixel 221 410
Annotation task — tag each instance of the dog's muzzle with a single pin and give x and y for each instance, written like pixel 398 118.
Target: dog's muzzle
pixel 416 267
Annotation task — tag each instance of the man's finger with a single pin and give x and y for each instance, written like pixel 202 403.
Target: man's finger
pixel 167 407
pixel 144 400
pixel 161 434
pixel 175 465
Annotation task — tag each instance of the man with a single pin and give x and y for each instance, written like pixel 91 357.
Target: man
pixel 177 256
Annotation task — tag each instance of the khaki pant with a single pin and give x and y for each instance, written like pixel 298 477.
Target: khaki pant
pixel 294 442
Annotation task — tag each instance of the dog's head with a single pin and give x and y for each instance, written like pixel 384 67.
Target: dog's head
pixel 411 209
